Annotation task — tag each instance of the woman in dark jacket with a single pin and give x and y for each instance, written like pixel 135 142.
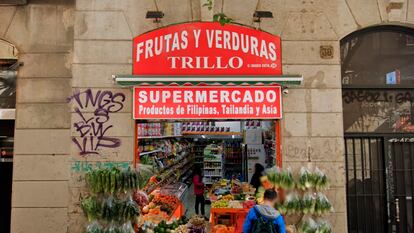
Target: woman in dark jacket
pixel 258 172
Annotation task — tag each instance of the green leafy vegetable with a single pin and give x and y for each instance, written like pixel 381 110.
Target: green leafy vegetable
pixel 308 226
pixel 322 204
pixel 94 227
pixel 308 203
pixel 91 207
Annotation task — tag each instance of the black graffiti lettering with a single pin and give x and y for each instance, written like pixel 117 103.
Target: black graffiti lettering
pixel 108 142
pixel 399 97
pixel 93 130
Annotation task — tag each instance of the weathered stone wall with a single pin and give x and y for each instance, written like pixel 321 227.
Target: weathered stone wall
pixel 42 31
pixel 49 140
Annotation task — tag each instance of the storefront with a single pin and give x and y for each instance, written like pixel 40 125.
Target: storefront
pixel 98 91
pixel 208 97
pixel 218 126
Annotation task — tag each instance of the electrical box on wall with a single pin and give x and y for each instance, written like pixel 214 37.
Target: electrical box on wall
pixel 13 2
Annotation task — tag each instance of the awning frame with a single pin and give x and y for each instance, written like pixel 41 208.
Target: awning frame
pixel 136 80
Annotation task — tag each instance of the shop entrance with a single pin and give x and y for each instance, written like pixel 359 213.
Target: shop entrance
pixel 378 95
pixel 224 152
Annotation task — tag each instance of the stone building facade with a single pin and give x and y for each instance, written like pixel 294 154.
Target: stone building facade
pixel 72 48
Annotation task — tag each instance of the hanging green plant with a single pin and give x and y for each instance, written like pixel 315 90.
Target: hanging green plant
pixel 208 4
pixel 221 18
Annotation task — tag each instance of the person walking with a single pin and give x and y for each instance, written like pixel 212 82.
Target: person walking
pixel 265 218
pixel 198 190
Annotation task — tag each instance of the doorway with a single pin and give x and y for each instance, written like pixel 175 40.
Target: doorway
pixel 401 168
pixel 377 97
pixel 8 67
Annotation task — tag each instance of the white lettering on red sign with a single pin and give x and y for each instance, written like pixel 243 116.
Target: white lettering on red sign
pixel 197 48
pixel 207 102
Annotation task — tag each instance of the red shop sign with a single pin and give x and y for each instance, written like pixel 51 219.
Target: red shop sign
pixel 206 48
pixel 207 102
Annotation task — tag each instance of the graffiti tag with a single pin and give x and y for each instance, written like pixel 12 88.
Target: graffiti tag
pixel 94 129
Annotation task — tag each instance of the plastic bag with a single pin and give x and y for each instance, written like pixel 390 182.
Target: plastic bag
pixel 128 228
pixel 279 178
pixel 306 180
pixel 308 225
pixel 131 210
pixel 108 210
pixel 286 180
pixel 94 227
pixel 112 228
pixel 322 204
pixel 291 205
pixel 141 198
pixel 321 180
pixel 324 227
pixel 91 207
pixel 308 203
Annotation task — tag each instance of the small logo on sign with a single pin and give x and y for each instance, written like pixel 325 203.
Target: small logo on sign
pixel 326 51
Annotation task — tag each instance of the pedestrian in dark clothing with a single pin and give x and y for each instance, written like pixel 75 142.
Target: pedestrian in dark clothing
pixel 258 172
pixel 198 190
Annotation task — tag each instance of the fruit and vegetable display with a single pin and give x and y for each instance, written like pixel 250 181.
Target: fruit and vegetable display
pixel 167 203
pixel 310 204
pixel 303 194
pixel 160 208
pixel 141 198
pixel 197 224
pixel 231 194
pixel 324 227
pixel 309 180
pixel 278 178
pixel 291 205
pixel 166 227
pixel 110 206
pixel 177 226
pixel 110 209
pixel 223 229
pixel 95 227
pixel 322 204
pixel 236 204
pixel 308 226
pixel 115 180
pixel 311 226
pixel 220 204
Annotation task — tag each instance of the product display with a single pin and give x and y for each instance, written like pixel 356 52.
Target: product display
pixel 213 163
pixel 311 226
pixel 309 180
pixel 227 162
pixel 110 207
pixel 305 200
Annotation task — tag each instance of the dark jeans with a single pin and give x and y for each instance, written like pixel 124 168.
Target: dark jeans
pixel 199 201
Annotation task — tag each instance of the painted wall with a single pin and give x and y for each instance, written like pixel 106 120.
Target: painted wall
pixel 43 34
pixel 70 53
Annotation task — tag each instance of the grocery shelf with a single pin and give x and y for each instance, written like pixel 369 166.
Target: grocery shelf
pixel 211 133
pixel 149 152
pixel 212 161
pixel 158 137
